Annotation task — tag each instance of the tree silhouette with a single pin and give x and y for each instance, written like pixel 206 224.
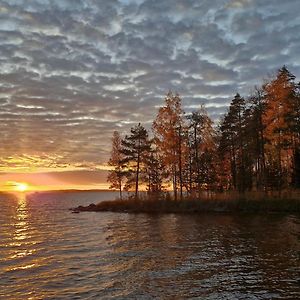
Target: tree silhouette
pixel 202 149
pixel 135 148
pixel 116 175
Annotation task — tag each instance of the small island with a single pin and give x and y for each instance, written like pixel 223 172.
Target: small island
pixel 248 162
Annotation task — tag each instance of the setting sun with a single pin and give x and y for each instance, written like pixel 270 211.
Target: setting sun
pixel 21 186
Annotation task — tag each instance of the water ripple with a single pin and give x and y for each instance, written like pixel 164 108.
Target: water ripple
pixel 48 253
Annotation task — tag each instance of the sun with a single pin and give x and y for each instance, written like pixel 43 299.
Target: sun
pixel 21 186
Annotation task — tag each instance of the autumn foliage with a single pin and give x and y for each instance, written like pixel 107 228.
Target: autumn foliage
pixel 255 146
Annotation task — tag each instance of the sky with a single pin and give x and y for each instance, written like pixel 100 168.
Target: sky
pixel 74 71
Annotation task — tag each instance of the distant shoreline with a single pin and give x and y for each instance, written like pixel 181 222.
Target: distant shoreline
pixel 29 194
pixel 71 191
pixel 58 191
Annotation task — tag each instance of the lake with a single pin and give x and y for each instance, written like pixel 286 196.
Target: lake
pixel 46 252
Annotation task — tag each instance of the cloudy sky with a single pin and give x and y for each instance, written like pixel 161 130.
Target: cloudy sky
pixel 73 71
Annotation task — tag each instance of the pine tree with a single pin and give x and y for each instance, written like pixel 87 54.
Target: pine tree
pixel 203 149
pixel 155 173
pixel 233 141
pixel 255 131
pixel 135 148
pixel 116 175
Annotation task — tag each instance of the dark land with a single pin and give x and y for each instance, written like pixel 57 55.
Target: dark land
pixel 234 204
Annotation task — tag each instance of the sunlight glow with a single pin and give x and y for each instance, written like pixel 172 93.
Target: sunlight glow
pixel 21 186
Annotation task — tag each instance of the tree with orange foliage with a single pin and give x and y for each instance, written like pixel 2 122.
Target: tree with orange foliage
pixel 277 120
pixel 168 129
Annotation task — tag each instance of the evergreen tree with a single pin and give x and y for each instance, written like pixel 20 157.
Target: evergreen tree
pixel 155 173
pixel 233 141
pixel 255 131
pixel 116 175
pixel 203 149
pixel 135 148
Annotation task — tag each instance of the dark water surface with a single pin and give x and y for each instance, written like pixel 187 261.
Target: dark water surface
pixel 46 252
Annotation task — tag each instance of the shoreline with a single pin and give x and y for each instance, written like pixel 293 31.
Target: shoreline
pixel 193 206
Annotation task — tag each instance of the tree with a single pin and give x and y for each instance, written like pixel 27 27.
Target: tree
pixel 257 145
pixel 202 149
pixel 295 128
pixel 233 141
pixel 168 128
pixel 296 169
pixel 255 130
pixel 278 120
pixel 155 173
pixel 116 175
pixel 135 148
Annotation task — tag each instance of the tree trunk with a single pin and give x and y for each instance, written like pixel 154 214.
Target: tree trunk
pixel 180 163
pixel 120 191
pixel 137 172
pixel 174 182
pixel 197 162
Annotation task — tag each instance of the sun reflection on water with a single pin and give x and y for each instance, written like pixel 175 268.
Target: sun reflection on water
pixel 21 242
pixel 21 221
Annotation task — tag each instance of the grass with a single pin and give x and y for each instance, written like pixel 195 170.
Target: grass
pixel 221 203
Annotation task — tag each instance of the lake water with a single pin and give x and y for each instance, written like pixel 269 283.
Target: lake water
pixel 46 252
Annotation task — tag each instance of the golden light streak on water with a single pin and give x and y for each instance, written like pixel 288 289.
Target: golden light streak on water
pixel 21 223
pixel 21 237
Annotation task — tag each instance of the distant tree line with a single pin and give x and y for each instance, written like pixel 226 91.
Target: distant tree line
pixel 256 146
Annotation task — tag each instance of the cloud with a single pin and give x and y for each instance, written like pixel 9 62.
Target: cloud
pixel 72 72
